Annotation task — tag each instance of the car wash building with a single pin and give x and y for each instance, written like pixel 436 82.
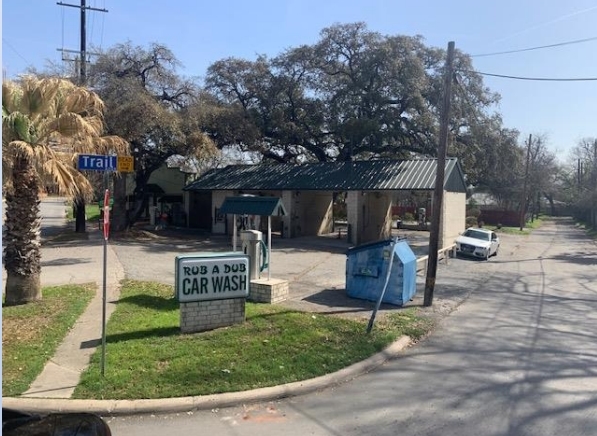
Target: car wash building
pixel 307 192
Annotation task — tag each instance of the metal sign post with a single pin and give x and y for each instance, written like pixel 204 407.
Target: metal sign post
pixel 105 163
pixel 385 286
pixel 106 235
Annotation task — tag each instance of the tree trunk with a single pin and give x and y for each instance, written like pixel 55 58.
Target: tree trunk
pixel 22 256
pixel 120 218
pixel 141 178
pixel 79 213
pixel 552 206
pixel 21 289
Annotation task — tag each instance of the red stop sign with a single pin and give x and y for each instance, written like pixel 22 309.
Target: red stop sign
pixel 107 214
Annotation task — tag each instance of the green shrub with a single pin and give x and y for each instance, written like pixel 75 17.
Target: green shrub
pixel 471 221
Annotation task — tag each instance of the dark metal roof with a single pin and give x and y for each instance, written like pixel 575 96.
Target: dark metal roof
pixel 263 206
pixel 372 175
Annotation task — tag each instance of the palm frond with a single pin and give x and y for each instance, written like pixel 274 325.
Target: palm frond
pixel 83 101
pixel 16 126
pixel 11 95
pixel 69 180
pixel 38 95
pixel 19 149
pixel 112 144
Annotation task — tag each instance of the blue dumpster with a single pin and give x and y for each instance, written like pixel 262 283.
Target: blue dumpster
pixel 367 266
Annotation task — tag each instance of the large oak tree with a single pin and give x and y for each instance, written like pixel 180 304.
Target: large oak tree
pixel 152 106
pixel 354 94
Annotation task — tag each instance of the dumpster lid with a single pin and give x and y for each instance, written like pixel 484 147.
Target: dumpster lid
pixel 371 245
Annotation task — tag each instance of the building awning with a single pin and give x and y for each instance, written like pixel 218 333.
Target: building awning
pixel 249 205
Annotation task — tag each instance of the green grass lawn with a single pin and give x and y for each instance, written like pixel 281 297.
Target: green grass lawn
pixel 527 229
pixel 148 357
pixel 32 332
pixel 92 212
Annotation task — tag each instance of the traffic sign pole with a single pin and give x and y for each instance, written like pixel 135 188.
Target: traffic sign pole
pixel 107 214
pixel 104 292
pixel 107 164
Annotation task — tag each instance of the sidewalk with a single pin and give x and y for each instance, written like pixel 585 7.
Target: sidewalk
pixel 73 262
pixel 62 373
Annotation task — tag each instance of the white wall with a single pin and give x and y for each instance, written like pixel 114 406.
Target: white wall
pixel 288 201
pixel 377 216
pixel 354 200
pixel 313 213
pixel 453 220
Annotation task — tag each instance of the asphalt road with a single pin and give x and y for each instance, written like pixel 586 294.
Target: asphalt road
pixel 517 357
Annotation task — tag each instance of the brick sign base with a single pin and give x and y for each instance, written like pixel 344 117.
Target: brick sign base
pixel 199 316
pixel 268 291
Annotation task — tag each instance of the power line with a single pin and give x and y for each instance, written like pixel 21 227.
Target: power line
pixel 543 79
pixel 546 23
pixel 577 41
pixel 15 50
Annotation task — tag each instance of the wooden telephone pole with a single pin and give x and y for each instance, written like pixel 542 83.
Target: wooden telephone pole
pixel 523 199
pixel 79 202
pixel 593 190
pixel 438 194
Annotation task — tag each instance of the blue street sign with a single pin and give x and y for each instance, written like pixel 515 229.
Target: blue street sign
pixel 96 162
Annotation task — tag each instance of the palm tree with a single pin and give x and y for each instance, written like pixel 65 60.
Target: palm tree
pixel 45 124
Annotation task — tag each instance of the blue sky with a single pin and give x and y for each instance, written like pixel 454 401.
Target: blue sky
pixel 201 32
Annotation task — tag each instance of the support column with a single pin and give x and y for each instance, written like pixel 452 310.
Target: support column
pixel 288 201
pixel 354 204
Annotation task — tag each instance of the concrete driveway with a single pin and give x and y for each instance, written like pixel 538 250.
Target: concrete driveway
pixel 314 266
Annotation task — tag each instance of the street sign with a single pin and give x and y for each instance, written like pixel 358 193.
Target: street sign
pixel 125 164
pixel 96 162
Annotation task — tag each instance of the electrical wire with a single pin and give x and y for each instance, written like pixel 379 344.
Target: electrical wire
pixel 542 79
pixel 577 41
pixel 547 23
pixel 467 101
pixel 92 19
pixel 62 45
pixel 15 50
pixel 102 31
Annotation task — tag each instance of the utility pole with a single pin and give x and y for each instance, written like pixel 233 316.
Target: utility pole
pixel 83 47
pixel 593 189
pixel 438 194
pixel 82 52
pixel 79 202
pixel 523 199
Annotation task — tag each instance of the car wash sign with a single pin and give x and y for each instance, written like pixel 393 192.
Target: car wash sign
pixel 209 276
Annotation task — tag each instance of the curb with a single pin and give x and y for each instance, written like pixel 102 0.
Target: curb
pixel 205 402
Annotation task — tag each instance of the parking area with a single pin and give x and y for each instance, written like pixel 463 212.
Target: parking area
pixel 314 266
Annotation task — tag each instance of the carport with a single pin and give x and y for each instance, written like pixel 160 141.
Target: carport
pixel 307 192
